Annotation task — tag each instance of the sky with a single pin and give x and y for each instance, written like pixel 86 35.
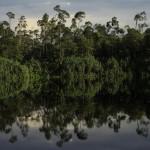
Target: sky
pixel 97 11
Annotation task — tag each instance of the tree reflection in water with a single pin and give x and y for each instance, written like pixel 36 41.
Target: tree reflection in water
pixel 66 115
pixel 59 118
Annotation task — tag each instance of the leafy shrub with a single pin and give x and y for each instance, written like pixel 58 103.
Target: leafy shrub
pixel 14 78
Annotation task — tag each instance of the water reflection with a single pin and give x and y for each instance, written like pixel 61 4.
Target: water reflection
pixel 70 118
pixel 67 113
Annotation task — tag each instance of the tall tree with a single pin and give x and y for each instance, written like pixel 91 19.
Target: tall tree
pixel 10 16
pixel 140 21
pixel 79 16
pixel 62 15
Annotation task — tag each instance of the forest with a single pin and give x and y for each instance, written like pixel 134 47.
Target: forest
pixel 75 56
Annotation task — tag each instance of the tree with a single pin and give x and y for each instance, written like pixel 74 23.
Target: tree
pixel 10 16
pixel 113 27
pixel 44 23
pixel 79 16
pixel 140 21
pixel 62 15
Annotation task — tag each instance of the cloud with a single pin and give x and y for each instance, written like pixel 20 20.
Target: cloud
pixel 96 10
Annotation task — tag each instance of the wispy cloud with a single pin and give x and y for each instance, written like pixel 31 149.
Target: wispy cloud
pixel 96 10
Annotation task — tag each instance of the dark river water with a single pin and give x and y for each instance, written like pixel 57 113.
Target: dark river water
pixel 79 116
pixel 58 119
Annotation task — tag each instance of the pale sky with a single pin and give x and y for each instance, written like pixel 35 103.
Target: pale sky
pixel 97 11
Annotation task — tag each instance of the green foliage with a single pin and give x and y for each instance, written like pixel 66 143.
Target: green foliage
pixel 35 76
pixel 82 88
pixel 83 51
pixel 81 67
pixel 113 76
pixel 14 78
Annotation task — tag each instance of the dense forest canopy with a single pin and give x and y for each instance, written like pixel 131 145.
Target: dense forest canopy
pixel 77 53
pixel 69 82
